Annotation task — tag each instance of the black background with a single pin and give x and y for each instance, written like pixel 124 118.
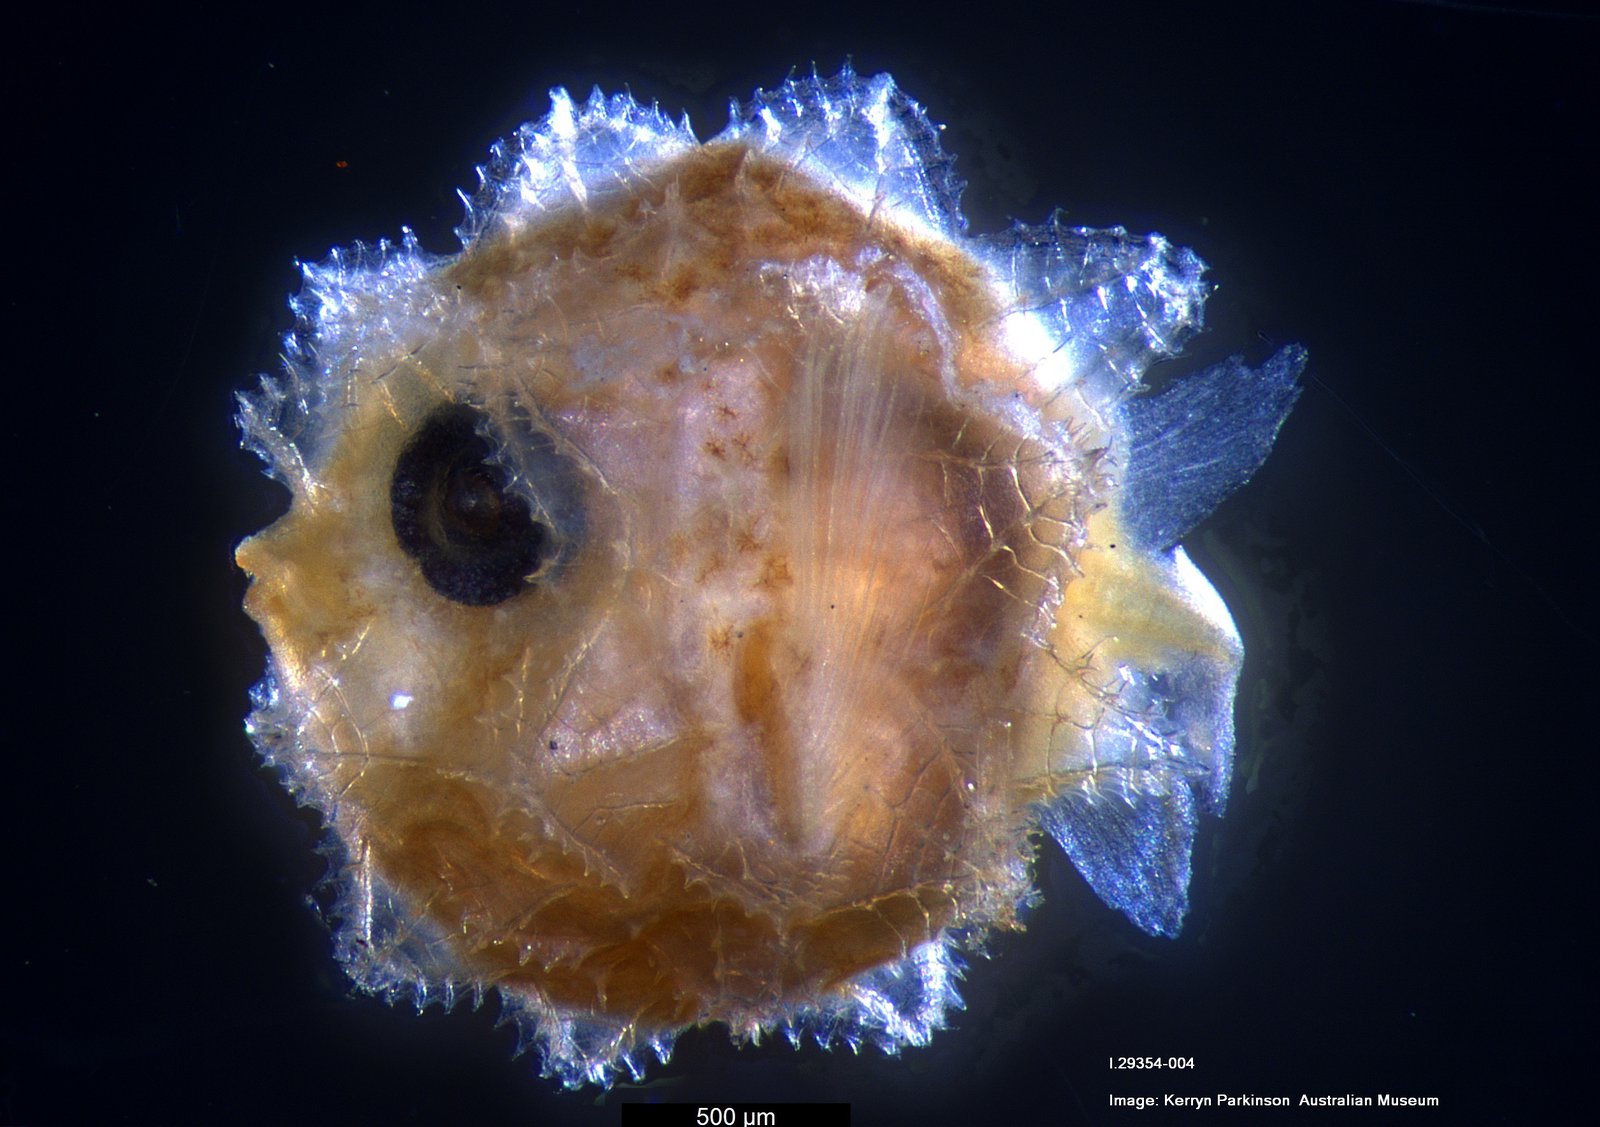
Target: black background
pixel 1400 897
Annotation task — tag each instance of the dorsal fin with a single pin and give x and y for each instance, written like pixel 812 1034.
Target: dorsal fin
pixel 1202 438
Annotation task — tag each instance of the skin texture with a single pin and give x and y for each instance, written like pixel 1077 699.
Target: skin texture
pixel 825 613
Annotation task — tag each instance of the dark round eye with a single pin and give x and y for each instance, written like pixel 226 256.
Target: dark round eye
pixel 475 542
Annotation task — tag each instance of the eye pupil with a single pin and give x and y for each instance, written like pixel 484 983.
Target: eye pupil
pixel 475 542
pixel 473 504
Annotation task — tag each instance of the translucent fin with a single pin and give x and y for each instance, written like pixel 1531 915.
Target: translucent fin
pixel 1199 440
pixel 1130 826
pixel 1132 848
pixel 1161 754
